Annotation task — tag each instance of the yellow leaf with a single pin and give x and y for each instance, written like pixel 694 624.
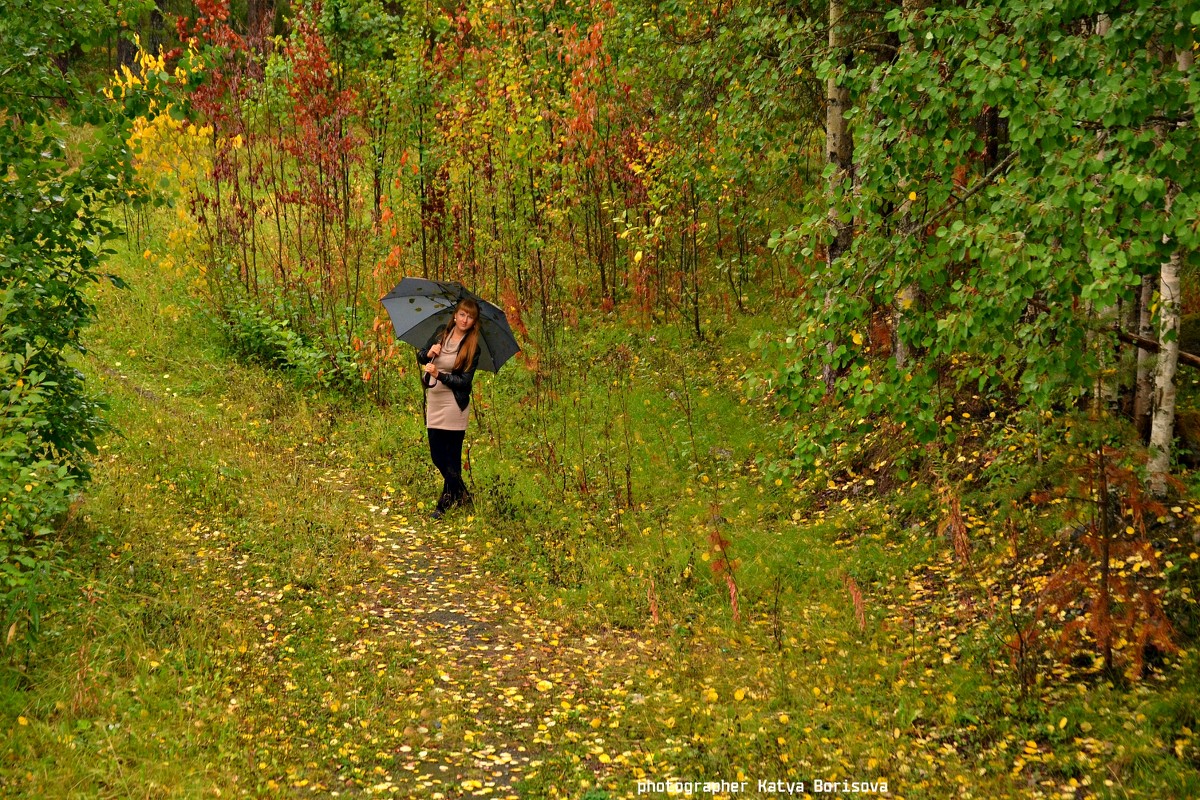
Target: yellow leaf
pixel 912 196
pixel 544 686
pixel 637 257
pixel 856 337
pixel 22 721
pixel 740 694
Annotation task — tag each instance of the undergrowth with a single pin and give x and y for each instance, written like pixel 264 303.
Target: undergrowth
pixel 216 628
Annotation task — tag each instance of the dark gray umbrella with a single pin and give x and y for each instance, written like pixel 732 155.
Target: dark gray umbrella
pixel 418 308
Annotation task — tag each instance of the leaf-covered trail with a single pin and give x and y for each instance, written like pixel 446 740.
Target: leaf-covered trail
pixel 360 650
pixel 488 687
pixel 311 632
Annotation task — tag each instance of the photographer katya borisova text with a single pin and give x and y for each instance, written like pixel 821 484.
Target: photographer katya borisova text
pixel 761 787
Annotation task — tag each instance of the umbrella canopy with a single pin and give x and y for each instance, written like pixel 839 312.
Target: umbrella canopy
pixel 419 307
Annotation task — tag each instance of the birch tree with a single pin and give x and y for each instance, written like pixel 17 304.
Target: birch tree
pixel 1162 429
pixel 1016 179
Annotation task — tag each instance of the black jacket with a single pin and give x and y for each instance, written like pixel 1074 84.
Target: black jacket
pixel 457 381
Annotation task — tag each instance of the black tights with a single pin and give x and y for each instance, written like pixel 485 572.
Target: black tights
pixel 445 447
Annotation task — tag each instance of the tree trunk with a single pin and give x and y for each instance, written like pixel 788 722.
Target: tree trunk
pixel 260 19
pixel 1143 393
pixel 1162 428
pixel 1104 390
pixel 156 36
pixel 126 51
pixel 839 152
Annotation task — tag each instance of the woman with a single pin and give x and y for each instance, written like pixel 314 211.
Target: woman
pixel 449 362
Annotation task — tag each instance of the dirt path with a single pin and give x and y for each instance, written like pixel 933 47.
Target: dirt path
pixel 518 683
pixel 325 637
pixel 426 677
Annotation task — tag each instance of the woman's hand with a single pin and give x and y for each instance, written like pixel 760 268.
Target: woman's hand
pixel 431 370
pixel 434 351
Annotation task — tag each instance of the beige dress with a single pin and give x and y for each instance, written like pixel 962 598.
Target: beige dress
pixel 441 409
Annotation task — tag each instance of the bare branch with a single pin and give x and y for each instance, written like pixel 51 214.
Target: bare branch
pixel 1152 345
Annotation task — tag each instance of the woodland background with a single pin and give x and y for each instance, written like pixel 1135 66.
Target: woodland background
pixel 888 303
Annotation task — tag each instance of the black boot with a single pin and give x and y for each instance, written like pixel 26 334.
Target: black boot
pixel 464 499
pixel 443 505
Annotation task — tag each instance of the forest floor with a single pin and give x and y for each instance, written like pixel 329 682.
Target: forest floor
pixel 256 604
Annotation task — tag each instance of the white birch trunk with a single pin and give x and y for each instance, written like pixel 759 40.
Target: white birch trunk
pixel 1162 426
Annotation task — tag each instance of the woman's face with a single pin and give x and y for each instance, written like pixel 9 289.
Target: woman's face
pixel 463 320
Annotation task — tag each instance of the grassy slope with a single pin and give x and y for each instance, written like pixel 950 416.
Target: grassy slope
pixel 257 606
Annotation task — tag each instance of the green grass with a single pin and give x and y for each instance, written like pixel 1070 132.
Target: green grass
pixel 242 618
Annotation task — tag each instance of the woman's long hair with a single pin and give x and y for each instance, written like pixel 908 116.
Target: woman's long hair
pixel 470 342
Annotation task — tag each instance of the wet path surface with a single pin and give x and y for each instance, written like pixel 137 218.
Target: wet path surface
pixel 356 647
pixel 431 679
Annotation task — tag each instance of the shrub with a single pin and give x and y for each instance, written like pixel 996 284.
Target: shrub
pixel 35 487
pixel 62 159
pixel 258 336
